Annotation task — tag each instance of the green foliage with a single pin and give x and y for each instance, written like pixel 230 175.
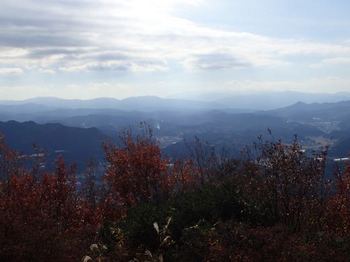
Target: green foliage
pixel 211 203
pixel 138 225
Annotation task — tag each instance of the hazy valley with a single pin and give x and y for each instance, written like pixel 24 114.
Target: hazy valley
pixel 78 128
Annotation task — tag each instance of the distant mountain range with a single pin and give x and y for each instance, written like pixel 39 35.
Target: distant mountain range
pixel 237 103
pixel 267 100
pixel 77 128
pixel 315 111
pixel 146 103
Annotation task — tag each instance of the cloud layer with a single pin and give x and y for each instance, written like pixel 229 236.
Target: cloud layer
pixel 70 36
pixel 133 35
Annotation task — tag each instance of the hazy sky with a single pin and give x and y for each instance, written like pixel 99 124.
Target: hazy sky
pixel 120 48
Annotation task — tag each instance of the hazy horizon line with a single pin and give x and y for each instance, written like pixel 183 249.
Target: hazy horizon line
pixel 192 95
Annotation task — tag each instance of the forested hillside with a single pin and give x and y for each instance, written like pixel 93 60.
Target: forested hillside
pixel 273 203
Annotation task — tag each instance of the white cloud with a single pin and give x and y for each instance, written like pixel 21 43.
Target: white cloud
pixel 9 71
pixel 324 84
pixel 215 61
pixel 138 36
pixel 336 61
pixel 79 91
pixel 135 35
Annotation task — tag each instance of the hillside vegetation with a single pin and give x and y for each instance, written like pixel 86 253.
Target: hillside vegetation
pixel 272 204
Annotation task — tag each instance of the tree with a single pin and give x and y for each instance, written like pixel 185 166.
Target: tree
pixel 136 172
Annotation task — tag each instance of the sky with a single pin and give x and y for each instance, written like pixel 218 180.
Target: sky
pixel 172 48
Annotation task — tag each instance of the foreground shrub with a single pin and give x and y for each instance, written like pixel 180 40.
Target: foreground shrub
pixel 43 217
pixel 272 205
